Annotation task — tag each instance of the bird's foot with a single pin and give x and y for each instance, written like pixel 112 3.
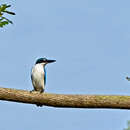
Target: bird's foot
pixel 42 91
pixel 39 105
pixel 38 92
pixel 32 91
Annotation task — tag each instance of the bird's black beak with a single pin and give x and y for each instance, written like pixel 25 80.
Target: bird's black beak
pixel 51 61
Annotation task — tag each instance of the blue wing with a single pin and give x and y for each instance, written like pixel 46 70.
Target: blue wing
pixel 44 76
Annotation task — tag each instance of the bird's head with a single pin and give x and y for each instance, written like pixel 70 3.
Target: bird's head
pixel 44 61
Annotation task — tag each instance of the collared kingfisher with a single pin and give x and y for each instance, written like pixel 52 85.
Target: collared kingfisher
pixel 38 74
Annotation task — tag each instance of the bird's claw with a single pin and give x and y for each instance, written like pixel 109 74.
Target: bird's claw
pixel 32 91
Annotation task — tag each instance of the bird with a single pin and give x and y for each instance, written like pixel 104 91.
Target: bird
pixel 38 75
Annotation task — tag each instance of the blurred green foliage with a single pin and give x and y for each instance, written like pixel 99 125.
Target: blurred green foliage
pixel 3 10
pixel 128 124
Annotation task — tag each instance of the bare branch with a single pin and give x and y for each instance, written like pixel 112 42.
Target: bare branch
pixel 68 101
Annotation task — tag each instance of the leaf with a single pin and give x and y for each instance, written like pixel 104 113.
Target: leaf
pixel 8 12
pixel 3 20
pixel 7 20
pixel 3 23
pixel 7 6
pixel 3 7
pixel 1 14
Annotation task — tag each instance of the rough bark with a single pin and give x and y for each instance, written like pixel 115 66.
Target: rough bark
pixel 66 101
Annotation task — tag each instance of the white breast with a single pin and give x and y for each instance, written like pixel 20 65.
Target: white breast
pixel 37 77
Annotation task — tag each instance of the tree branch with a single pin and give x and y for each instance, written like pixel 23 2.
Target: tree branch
pixel 68 101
